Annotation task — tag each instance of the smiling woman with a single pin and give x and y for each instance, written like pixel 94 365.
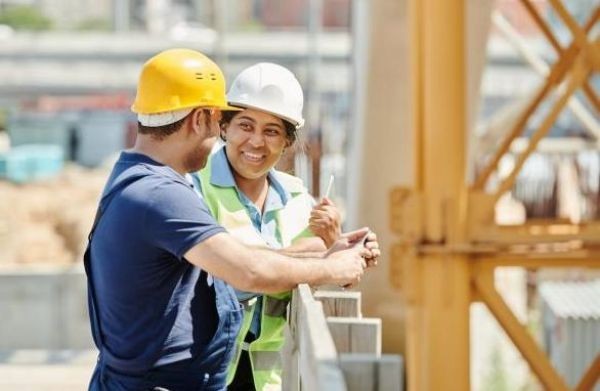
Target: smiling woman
pixel 255 141
pixel 262 206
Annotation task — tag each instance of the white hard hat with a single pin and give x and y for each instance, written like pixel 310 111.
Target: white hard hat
pixel 271 88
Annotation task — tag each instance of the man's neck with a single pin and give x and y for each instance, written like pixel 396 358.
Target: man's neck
pixel 160 151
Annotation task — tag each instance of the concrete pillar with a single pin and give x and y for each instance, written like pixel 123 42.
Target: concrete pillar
pixel 381 146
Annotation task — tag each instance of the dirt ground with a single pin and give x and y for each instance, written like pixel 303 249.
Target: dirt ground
pixel 48 221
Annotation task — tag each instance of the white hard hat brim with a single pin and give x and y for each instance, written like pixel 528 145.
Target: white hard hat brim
pixel 297 123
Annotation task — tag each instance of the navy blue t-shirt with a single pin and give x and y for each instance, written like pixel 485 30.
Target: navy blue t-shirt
pixel 154 307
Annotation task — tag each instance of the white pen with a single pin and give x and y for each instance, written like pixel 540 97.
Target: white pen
pixel 329 186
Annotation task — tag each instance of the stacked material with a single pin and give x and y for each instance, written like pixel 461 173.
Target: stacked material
pixel 48 221
pixel 26 163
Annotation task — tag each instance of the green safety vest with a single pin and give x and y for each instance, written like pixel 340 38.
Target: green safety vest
pixel 292 224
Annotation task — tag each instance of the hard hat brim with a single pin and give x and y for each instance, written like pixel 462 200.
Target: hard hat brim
pixel 226 107
pixel 243 106
pixel 231 108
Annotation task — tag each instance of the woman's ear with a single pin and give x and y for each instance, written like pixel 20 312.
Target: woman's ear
pixel 223 132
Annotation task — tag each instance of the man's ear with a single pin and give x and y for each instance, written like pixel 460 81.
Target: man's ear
pixel 196 118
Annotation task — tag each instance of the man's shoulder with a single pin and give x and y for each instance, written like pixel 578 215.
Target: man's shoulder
pixel 143 185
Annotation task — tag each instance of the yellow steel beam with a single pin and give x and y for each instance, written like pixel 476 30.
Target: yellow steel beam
pixel 578 35
pixel 533 12
pixel 538 361
pixel 587 89
pixel 538 231
pixel 438 287
pixel 514 133
pixel 591 95
pixel 556 75
pixel 566 59
pixel 438 260
pixel 417 63
pixel 590 377
pixel 575 259
pixel 578 76
pixel 411 287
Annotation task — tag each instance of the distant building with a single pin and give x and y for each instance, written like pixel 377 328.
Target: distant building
pixel 571 323
pixel 295 13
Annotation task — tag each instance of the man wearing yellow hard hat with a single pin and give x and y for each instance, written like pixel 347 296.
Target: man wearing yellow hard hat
pixel 159 267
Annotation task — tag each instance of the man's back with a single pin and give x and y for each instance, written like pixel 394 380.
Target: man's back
pixel 154 307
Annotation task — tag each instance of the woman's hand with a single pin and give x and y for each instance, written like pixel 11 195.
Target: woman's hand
pixel 325 221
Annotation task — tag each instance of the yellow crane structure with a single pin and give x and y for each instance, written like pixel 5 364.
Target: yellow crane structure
pixel 416 80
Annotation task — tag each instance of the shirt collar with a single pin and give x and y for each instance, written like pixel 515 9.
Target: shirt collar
pixel 222 176
pixel 220 171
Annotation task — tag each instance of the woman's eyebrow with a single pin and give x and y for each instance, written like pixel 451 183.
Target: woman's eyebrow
pixel 247 118
pixel 274 124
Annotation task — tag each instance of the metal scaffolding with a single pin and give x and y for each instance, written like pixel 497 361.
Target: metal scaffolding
pixel 448 244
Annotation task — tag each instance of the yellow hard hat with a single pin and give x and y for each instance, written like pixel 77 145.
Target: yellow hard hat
pixel 177 79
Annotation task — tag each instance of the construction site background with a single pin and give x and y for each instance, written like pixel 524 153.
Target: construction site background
pixel 67 77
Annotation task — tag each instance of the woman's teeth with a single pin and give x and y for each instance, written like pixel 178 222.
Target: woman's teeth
pixel 253 156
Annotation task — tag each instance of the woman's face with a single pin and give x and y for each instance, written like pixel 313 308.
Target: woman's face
pixel 255 141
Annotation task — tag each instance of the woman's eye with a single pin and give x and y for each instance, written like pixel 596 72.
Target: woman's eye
pixel 272 132
pixel 245 126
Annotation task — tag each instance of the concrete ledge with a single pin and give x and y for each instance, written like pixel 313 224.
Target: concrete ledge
pixel 71 357
pixel 49 370
pixel 44 308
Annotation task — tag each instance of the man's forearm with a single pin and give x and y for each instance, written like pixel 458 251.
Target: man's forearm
pixel 311 247
pixel 263 270
pixel 255 269
pixel 276 272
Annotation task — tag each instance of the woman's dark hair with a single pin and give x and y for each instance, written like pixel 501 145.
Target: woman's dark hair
pixel 290 129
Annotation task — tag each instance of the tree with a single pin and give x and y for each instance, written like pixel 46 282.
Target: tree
pixel 24 18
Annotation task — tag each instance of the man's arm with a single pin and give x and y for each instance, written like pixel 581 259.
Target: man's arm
pixel 309 247
pixel 315 247
pixel 266 271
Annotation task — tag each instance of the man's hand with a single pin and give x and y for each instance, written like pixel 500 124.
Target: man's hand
pixel 362 241
pixel 348 240
pixel 325 221
pixel 360 237
pixel 346 266
pixel 372 245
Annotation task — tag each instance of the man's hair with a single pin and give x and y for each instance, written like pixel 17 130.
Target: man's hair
pixel 290 129
pixel 162 132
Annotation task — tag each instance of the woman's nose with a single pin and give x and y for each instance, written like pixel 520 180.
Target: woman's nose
pixel 257 139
